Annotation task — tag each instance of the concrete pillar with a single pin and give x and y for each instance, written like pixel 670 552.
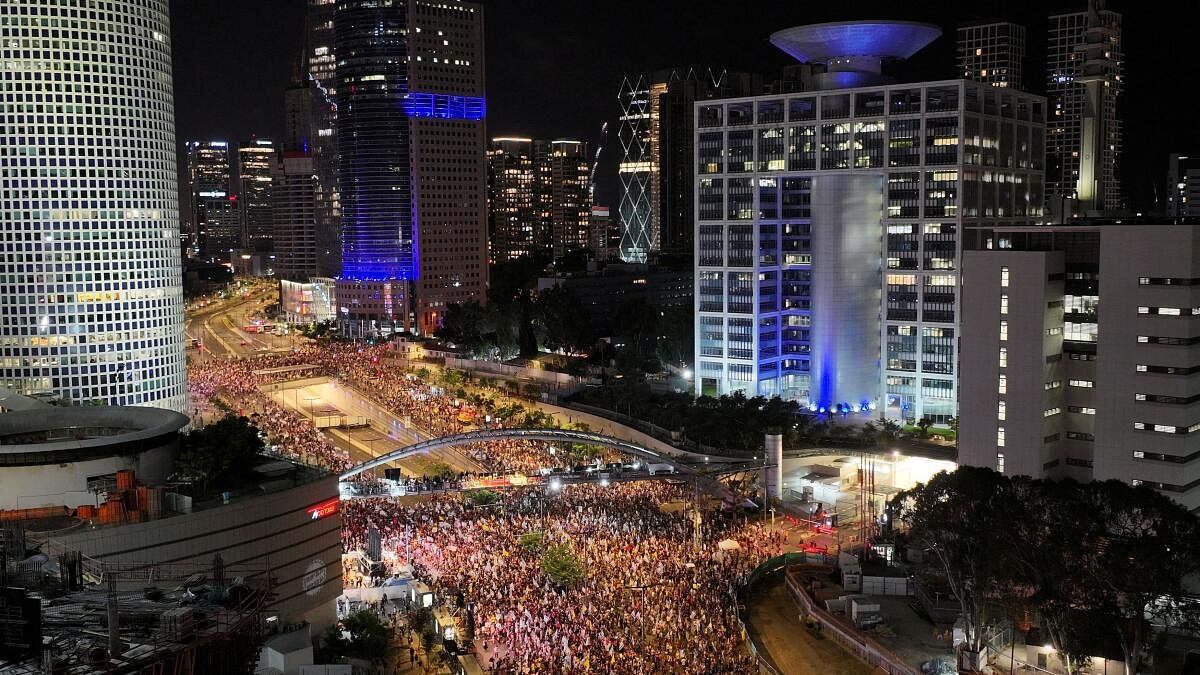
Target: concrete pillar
pixel 773 473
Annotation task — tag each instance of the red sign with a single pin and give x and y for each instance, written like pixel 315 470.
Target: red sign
pixel 325 508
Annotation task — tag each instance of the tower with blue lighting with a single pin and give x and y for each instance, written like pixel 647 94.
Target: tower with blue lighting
pixel 412 172
pixel 828 223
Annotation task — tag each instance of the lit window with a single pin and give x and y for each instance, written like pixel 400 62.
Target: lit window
pixel 1003 389
pixel 1004 277
pixel 1003 331
pixel 1004 303
pixel 1000 457
pixel 1004 357
pixel 1000 437
pixel 1053 384
pixel 1051 412
pixel 1085 384
pixel 1002 411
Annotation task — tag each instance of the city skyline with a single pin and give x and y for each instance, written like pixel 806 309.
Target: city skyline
pixel 225 99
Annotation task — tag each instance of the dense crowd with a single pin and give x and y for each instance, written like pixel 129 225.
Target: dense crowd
pixel 634 552
pixel 650 602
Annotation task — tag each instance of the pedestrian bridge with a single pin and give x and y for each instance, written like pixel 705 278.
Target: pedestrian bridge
pixel 549 435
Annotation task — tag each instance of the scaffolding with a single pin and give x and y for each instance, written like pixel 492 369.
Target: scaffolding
pixel 137 618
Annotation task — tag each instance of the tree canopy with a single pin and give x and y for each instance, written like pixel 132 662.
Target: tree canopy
pixel 219 453
pixel 1099 563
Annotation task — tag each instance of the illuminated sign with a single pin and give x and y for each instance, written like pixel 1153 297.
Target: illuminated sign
pixel 324 509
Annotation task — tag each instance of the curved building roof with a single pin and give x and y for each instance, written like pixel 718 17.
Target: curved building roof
pixel 61 435
pixel 820 42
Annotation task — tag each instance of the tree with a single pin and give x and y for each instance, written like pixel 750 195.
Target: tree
pixel 219 453
pixel 483 497
pixel 561 566
pixel 466 324
pixel 563 321
pixel 965 520
pixel 923 425
pixel 637 321
pixel 369 637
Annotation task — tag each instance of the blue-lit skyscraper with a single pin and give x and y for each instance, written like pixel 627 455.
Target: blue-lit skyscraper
pixel 412 170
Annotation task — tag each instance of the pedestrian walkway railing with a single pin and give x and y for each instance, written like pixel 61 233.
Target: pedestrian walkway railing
pixel 865 648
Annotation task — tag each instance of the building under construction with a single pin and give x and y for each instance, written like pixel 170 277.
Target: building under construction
pixel 63 613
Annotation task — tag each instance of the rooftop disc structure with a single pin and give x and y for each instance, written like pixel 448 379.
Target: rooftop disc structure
pixel 853 51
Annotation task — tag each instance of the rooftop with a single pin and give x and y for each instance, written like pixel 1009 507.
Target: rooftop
pixel 883 39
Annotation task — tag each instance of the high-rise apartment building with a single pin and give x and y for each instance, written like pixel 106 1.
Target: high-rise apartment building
pixel 656 133
pixel 412 169
pixel 1183 186
pixel 570 201
pixel 993 53
pixel 538 197
pixel 215 212
pixel 299 100
pixel 294 188
pixel 1057 388
pixel 828 223
pixel 512 195
pixel 256 159
pixel 1085 65
pixel 90 274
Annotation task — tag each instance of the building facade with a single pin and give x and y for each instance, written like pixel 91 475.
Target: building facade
pixel 828 226
pixel 322 74
pixel 412 168
pixel 1183 186
pixel 993 53
pixel 512 195
pixel 215 215
pixel 255 161
pixel 90 275
pixel 656 135
pixel 570 200
pixel 1085 66
pixel 294 218
pixel 1058 388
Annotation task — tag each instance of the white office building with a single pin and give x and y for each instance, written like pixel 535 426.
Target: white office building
pixel 1058 388
pixel 828 224
pixel 90 278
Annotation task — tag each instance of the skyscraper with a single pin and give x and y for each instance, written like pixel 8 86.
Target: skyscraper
pixel 829 223
pixel 93 302
pixel 992 52
pixel 656 136
pixel 214 203
pixel 511 198
pixel 570 205
pixel 294 188
pixel 322 74
pixel 1085 64
pixel 412 170
pixel 446 108
pixel 255 161
pixel 298 116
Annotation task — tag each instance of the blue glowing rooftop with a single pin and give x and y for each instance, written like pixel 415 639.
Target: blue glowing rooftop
pixel 883 39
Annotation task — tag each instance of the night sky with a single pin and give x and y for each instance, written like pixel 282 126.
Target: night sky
pixel 554 66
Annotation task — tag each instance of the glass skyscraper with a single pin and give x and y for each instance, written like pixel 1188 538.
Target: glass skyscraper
pixel 90 278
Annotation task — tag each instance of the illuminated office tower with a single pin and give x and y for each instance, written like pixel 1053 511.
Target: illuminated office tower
pixel 412 168
pixel 656 133
pixel 993 53
pixel 1183 186
pixel 322 76
pixel 828 223
pixel 215 213
pixel 294 219
pixel 1085 63
pixel 90 277
pixel 255 161
pixel 446 109
pixel 511 198
pixel 570 205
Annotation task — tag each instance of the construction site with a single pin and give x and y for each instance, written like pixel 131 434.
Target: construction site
pixel 64 613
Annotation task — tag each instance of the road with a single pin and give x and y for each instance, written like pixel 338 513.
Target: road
pixel 218 326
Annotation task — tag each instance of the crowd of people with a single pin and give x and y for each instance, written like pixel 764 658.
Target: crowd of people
pixel 650 601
